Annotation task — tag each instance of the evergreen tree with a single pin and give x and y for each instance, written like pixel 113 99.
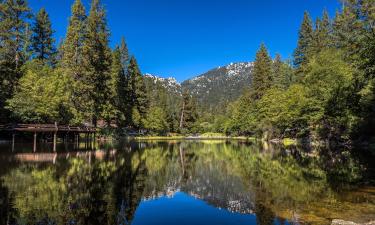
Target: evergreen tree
pixel 282 73
pixel 96 62
pixel 322 33
pixel 347 31
pixel 71 53
pixel 137 95
pixel 118 101
pixel 156 120
pixel 124 53
pixel 13 17
pixel 42 40
pixel 188 115
pixel 27 50
pixel 125 84
pixel 262 73
pixel 306 35
pixel 277 67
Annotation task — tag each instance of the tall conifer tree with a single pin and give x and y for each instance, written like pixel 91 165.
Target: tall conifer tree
pixel 42 40
pixel 322 33
pixel 13 17
pixel 305 39
pixel 347 31
pixel 118 87
pixel 277 70
pixel 262 73
pixel 71 53
pixel 138 95
pixel 96 61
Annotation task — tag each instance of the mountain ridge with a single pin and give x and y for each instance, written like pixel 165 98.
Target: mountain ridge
pixel 214 88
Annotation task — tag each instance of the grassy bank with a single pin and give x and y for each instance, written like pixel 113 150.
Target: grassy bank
pixel 205 136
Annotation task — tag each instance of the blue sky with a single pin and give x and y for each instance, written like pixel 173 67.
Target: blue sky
pixel 184 38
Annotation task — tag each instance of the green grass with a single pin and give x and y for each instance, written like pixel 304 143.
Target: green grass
pixel 289 141
pixel 159 137
pixel 204 136
pixel 211 134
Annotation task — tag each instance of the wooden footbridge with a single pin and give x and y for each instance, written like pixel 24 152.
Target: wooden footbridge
pixel 55 129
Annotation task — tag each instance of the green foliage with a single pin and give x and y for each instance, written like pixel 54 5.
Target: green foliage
pixel 42 42
pixel 282 73
pixel 305 39
pixel 161 96
pixel 262 73
pixel 41 96
pixel 138 101
pixel 13 37
pixel 189 114
pixel 156 120
pixel 329 80
pixel 322 33
pixel 96 63
pixel 285 112
pixel 71 61
pixel 332 97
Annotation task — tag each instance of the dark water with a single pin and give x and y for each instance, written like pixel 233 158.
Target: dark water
pixel 189 182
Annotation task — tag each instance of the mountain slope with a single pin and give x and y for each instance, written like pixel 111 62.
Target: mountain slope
pixel 221 85
pixel 170 83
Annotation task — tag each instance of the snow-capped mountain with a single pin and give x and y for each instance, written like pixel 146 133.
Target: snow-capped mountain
pixel 213 88
pixel 169 83
pixel 220 85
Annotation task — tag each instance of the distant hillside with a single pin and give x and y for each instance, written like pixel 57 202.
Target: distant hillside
pixel 221 85
pixel 170 83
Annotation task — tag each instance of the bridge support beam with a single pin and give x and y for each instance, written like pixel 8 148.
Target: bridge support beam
pixel 34 148
pixel 13 140
pixel 54 141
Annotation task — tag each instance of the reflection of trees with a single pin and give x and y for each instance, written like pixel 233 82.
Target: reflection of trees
pixel 273 183
pixel 129 183
pixel 7 212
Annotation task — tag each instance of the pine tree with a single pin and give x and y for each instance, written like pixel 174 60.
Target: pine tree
pixel 322 33
pixel 42 40
pixel 277 71
pixel 125 83
pixel 262 73
pixel 118 101
pixel 124 52
pixel 188 115
pixel 71 53
pixel 27 49
pixel 13 17
pixel 138 95
pixel 347 31
pixel 306 35
pixel 96 62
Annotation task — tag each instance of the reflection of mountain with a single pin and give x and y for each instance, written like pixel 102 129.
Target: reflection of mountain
pixel 208 182
pixel 107 187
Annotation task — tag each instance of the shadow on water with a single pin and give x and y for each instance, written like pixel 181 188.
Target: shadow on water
pixel 184 182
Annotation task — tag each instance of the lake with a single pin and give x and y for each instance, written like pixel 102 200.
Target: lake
pixel 183 182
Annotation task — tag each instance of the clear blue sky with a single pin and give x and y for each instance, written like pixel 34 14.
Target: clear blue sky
pixel 184 38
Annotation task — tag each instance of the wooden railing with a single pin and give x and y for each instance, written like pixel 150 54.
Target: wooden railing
pixel 47 128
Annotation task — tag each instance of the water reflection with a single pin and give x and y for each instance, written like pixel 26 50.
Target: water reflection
pixel 138 182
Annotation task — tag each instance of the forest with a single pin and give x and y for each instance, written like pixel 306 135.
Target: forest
pixel 325 92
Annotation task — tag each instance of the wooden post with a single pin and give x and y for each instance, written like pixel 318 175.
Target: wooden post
pixel 90 141
pixel 34 148
pixel 13 140
pixel 94 141
pixel 55 137
pixel 54 141
pixel 75 141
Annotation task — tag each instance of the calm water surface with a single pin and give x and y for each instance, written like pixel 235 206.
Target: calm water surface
pixel 189 182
